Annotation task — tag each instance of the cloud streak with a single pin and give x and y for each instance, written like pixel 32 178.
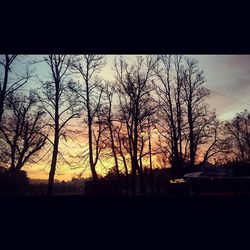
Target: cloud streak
pixel 230 76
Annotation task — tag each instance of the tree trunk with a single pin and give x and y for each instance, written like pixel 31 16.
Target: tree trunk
pixel 53 164
pixel 91 161
pixel 125 165
pixel 135 165
pixel 142 186
pixel 3 90
pixel 191 138
pixel 175 153
pixel 56 139
pixel 113 149
pixel 150 164
pixel 127 176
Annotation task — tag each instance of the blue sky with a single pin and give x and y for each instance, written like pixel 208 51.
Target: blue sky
pixel 227 75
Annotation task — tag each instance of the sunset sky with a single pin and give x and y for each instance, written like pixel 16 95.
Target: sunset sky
pixel 227 76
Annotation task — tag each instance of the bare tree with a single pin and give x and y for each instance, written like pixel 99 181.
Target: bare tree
pixel 197 109
pixel 238 136
pixel 109 91
pixel 59 103
pixel 133 86
pixel 186 122
pixel 121 140
pixel 150 151
pixel 22 130
pixel 169 89
pixel 90 92
pixel 10 82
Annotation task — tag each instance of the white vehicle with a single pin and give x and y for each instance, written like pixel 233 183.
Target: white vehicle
pixel 216 183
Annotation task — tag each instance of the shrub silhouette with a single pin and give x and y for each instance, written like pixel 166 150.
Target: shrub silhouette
pixel 13 181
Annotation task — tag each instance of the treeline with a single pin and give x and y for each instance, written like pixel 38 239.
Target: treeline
pixel 153 113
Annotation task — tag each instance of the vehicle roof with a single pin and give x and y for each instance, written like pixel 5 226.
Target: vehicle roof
pixel 212 174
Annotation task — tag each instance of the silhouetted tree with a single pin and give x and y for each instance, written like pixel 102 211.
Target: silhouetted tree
pixel 196 107
pixel 213 144
pixel 169 89
pixel 121 141
pixel 133 87
pixel 150 154
pixel 10 82
pixel 59 103
pixel 21 131
pixel 238 136
pixel 109 91
pixel 186 121
pixel 90 92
